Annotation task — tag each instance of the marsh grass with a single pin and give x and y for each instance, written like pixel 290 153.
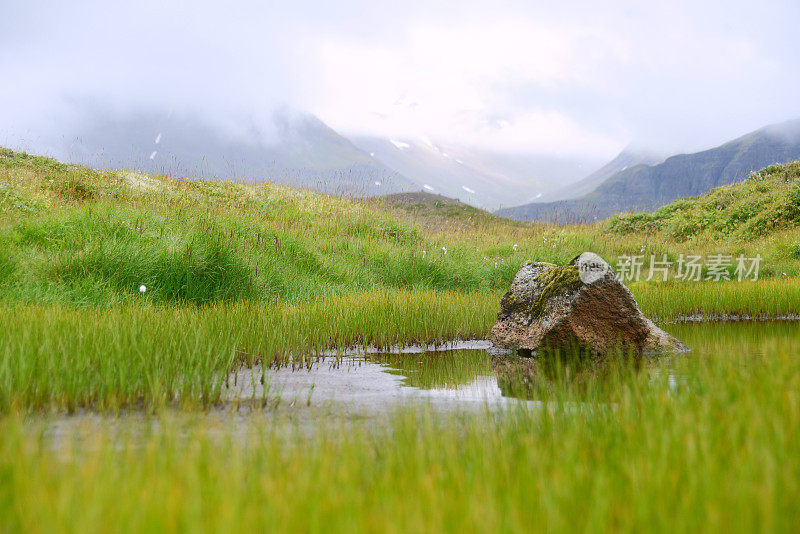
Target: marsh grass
pixel 706 443
pixel 674 301
pixel 65 358
pixel 240 275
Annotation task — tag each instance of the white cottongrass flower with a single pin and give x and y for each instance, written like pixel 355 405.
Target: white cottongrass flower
pixel 515 247
pixel 444 249
pixel 142 288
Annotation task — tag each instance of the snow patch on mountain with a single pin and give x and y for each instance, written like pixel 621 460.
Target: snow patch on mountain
pixel 399 144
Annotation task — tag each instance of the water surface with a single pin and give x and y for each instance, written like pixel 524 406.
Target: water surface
pixel 456 378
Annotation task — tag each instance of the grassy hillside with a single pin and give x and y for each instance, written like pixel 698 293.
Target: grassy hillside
pixel 429 212
pixel 77 235
pixel 767 202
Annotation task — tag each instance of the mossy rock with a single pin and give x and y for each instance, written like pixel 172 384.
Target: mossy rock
pixel 555 281
pixel 551 308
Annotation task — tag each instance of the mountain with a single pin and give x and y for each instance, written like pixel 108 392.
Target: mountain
pixel 645 187
pixel 629 157
pixel 300 150
pixel 292 148
pixel 477 177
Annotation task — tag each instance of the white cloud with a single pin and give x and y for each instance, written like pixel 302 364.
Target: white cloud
pixel 577 76
pixel 445 81
pixel 585 78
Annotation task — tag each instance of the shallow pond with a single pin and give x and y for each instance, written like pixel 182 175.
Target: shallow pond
pixel 465 375
pixel 455 378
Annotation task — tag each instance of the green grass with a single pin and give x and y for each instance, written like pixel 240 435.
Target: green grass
pixel 766 202
pixel 243 275
pixel 59 357
pixel 54 357
pixel 673 301
pixel 74 235
pixel 200 242
pixel 714 450
pixel 238 273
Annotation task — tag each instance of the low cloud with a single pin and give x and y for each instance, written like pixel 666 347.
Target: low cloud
pixel 568 78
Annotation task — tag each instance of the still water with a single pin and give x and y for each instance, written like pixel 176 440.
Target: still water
pixel 466 376
pixel 456 378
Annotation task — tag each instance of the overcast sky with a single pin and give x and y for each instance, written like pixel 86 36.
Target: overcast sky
pixel 565 77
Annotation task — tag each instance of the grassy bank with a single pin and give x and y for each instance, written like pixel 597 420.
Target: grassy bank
pixel 57 357
pixel 714 450
pixel 137 355
pixel 668 302
pixel 75 235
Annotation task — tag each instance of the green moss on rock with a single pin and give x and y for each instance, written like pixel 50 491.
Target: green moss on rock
pixel 554 281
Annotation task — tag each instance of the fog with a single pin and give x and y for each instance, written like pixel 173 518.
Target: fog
pixel 564 78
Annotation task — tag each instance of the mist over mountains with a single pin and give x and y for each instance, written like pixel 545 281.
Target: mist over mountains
pixel 294 148
pixel 298 149
pixel 645 187
pixel 484 179
pixel 629 157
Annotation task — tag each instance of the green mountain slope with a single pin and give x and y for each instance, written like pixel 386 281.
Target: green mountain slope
pixel 768 201
pixel 629 157
pixel 644 188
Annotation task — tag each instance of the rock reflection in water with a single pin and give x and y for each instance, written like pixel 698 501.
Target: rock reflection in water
pixel 558 375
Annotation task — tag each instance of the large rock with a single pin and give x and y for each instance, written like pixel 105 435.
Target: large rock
pixel 581 306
